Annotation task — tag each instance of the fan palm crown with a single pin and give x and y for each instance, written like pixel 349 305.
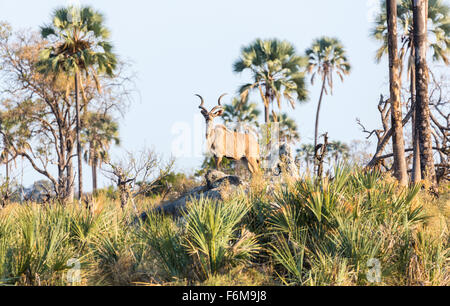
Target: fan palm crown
pixel 276 70
pixel 326 57
pixel 438 31
pixel 288 129
pixel 80 43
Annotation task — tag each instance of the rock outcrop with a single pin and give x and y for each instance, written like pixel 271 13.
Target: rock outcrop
pixel 217 185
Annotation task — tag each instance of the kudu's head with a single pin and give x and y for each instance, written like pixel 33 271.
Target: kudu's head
pixel 216 111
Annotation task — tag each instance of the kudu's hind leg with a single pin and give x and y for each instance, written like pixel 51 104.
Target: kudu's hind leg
pixel 253 166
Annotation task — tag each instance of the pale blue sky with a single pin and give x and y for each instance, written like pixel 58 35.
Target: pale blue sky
pixel 179 48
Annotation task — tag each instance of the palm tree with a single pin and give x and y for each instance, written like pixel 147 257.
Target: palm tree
pixel 99 133
pixel 276 70
pixel 288 130
pixel 339 150
pixel 326 57
pixel 80 44
pixel 439 40
pixel 241 111
pixel 307 152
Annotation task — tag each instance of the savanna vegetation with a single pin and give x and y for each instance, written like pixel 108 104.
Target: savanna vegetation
pixel 310 232
pixel 349 217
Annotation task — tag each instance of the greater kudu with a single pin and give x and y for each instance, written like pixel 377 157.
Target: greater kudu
pixel 222 142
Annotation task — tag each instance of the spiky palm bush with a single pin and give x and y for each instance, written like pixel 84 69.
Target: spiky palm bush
pixel 214 237
pixel 326 232
pixel 117 251
pixel 38 247
pixel 310 204
pixel 5 242
pixel 165 237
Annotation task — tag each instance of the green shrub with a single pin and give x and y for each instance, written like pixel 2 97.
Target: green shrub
pixel 39 248
pixel 165 238
pixel 213 236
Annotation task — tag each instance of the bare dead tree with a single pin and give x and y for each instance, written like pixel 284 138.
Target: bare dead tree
pixel 440 119
pixel 321 152
pixel 136 174
pixel 383 135
pixel 440 124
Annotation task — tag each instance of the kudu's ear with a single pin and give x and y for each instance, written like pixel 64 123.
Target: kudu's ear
pixel 218 110
pixel 218 113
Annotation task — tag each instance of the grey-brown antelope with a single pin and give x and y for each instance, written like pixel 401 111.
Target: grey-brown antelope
pixel 222 142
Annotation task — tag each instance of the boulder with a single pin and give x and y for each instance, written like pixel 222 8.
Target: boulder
pixel 217 185
pixel 213 176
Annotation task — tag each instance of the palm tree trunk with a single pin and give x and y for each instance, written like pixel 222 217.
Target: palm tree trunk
pixel 266 113
pixel 416 176
pixel 423 124
pixel 78 127
pixel 398 143
pixel 316 130
pixel 267 105
pixel 69 173
pixel 94 175
pixel 70 182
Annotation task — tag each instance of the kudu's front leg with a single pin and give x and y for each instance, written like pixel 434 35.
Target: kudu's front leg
pixel 218 161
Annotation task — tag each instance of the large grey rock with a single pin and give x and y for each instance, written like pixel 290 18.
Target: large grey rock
pixel 213 176
pixel 217 185
pixel 230 180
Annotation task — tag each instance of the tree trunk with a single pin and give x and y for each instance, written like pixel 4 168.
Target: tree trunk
pixel 316 130
pixel 416 176
pixel 7 169
pixel 94 176
pixel 78 127
pixel 398 143
pixel 423 124
pixel 6 194
pixel 70 184
pixel 267 105
pixel 266 113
